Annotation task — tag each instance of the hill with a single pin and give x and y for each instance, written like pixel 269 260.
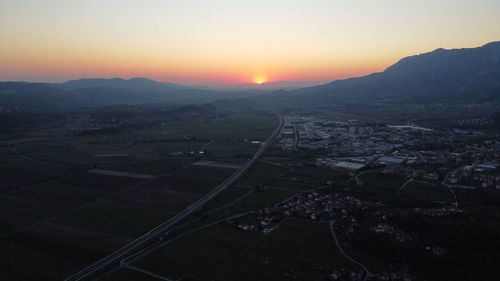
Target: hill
pixel 25 97
pixel 460 75
pixel 137 84
pixel 144 90
pixel 36 97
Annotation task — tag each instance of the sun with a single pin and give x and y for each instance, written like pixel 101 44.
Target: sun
pixel 259 79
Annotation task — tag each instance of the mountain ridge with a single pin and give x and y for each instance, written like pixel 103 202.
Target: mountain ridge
pixel 135 83
pixel 466 75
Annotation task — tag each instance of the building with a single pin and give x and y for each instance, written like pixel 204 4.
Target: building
pixel 388 160
pixel 349 166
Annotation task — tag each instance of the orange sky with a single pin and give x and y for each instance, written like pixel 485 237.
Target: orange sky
pixel 210 42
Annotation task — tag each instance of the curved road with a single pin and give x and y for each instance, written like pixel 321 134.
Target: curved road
pixel 365 269
pixel 156 233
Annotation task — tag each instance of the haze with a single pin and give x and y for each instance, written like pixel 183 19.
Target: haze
pixel 220 42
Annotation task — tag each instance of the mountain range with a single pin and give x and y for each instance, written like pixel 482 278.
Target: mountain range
pixel 91 92
pixel 469 75
pixel 137 83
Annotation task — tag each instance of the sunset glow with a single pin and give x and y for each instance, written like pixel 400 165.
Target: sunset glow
pixel 259 79
pixel 223 41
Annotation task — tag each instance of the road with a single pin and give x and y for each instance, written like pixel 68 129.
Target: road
pixel 205 146
pixel 147 273
pixel 295 138
pixel 432 183
pixel 158 232
pixel 365 269
pixel 404 185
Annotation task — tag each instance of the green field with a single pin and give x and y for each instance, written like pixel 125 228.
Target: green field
pixel 225 253
pixel 128 274
pixel 115 218
pixel 262 173
pixel 386 181
pixel 428 193
pixel 56 218
pixel 153 167
pixel 18 171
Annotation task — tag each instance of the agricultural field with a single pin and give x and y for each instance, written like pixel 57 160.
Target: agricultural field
pixel 263 173
pixel 385 181
pixel 17 171
pixel 212 248
pixel 252 126
pixel 153 167
pixel 129 274
pixel 58 215
pixel 224 253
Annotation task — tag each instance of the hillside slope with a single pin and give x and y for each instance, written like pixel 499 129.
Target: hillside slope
pixel 459 75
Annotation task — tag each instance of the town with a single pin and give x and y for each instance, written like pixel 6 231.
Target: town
pixel 441 160
pixel 456 157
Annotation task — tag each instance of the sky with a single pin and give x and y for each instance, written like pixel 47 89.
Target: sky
pixel 230 41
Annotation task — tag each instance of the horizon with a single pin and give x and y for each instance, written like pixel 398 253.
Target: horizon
pixel 249 83
pixel 225 43
pixel 229 85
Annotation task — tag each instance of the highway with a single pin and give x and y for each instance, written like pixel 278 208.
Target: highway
pixel 154 235
pixel 295 138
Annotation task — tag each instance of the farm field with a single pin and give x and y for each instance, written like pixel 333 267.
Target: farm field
pixel 212 252
pixel 56 218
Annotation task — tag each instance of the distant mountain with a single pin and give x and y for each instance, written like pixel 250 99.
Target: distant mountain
pixel 36 97
pixel 121 91
pixel 133 84
pixel 144 90
pixel 444 76
pixel 458 75
pixel 42 97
